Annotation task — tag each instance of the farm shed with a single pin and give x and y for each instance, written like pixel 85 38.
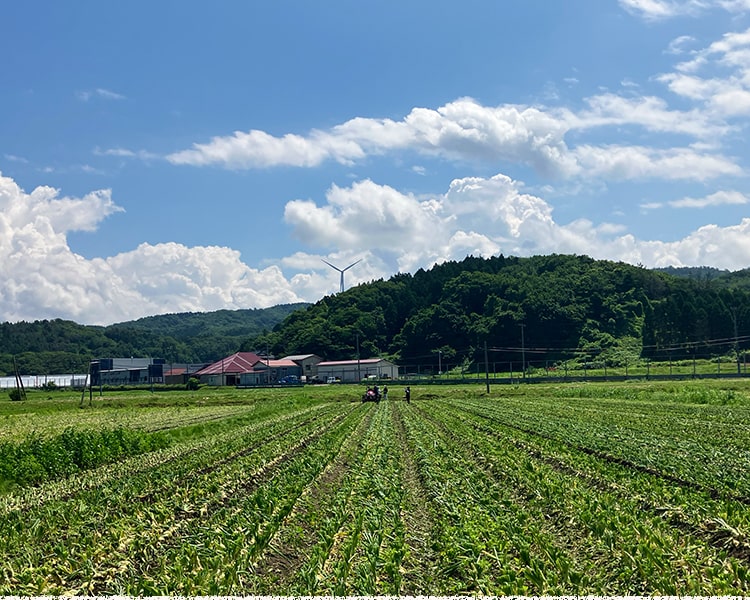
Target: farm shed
pixel 179 373
pixel 265 372
pixel 356 370
pixel 308 363
pixel 227 371
pixel 127 371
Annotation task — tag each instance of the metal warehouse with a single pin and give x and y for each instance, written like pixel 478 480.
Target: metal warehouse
pixel 356 370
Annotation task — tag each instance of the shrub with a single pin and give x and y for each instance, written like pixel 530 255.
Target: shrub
pixel 16 395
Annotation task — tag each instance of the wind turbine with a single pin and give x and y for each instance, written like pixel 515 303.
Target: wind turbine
pixel 341 270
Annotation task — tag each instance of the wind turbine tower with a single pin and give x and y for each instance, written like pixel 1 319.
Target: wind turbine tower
pixel 341 270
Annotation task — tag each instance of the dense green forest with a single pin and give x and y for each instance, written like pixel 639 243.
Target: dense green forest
pixel 58 346
pixel 557 306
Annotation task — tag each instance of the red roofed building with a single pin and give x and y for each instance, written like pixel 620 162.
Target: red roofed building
pixel 227 371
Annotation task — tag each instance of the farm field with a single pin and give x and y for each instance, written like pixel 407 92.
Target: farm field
pixel 587 489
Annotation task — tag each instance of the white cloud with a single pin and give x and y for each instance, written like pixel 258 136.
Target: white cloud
pixel 43 278
pixel 655 10
pixel 725 92
pixel 105 94
pixel 14 158
pixel 649 112
pixel 126 153
pixel 171 277
pixel 256 149
pixel 650 9
pixel 715 199
pixel 720 198
pixel 460 130
pixel 679 44
pixel 483 217
pixel 465 130
pixel 635 162
pixel 366 216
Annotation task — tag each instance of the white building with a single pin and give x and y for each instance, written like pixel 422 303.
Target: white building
pixel 356 370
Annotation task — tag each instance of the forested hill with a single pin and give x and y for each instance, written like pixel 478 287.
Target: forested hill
pixel 57 346
pixel 563 305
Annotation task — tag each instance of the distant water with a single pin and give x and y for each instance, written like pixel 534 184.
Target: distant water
pixel 38 381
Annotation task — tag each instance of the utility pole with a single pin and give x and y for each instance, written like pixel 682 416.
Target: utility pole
pixel 486 367
pixel 359 374
pixel 736 343
pixel 523 351
pixel 268 367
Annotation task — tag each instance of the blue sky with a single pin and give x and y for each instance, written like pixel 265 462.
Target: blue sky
pixel 191 156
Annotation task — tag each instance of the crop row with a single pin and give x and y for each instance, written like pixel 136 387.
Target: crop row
pixel 359 543
pixel 185 453
pixel 608 517
pixel 65 545
pixel 717 517
pixel 16 427
pixel 687 444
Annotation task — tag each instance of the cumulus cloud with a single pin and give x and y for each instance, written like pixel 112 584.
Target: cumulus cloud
pixel 486 216
pixel 459 130
pixel 465 130
pixel 365 215
pixel 171 277
pixel 43 278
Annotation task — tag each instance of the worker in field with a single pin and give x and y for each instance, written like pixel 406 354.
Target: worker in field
pixel 385 392
pixel 407 394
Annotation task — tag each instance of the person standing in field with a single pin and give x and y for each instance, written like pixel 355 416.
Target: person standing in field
pixel 385 392
pixel 407 394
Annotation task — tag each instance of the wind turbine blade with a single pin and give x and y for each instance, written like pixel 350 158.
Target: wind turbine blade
pixel 330 265
pixel 341 270
pixel 351 265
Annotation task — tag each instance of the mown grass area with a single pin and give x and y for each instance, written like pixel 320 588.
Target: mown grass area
pixel 633 488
